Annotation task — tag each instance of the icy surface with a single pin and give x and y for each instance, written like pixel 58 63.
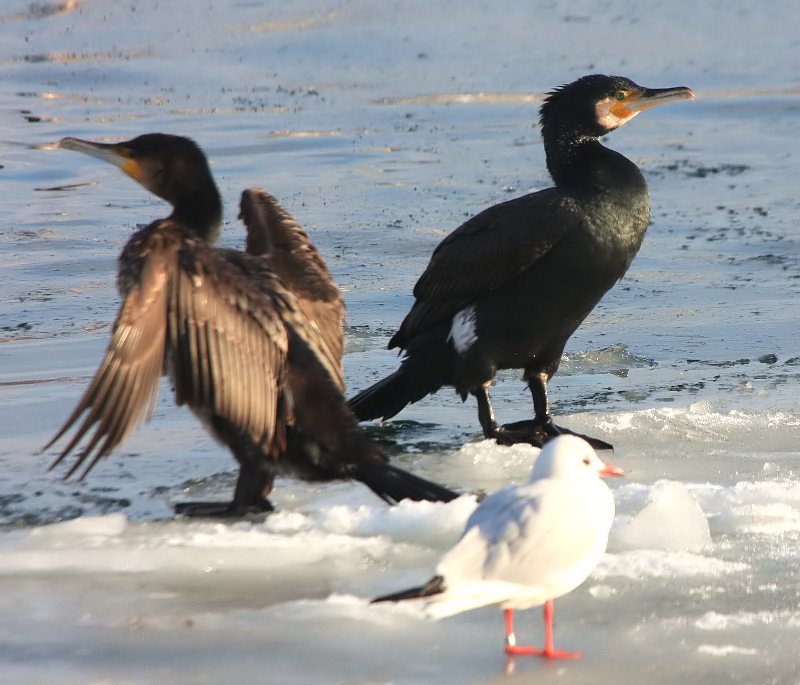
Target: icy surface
pixel 672 520
pixel 381 127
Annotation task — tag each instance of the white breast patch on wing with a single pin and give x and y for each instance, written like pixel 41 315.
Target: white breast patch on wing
pixel 462 330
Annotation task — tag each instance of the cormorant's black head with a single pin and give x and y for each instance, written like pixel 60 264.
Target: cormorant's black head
pixel 172 167
pixel 597 104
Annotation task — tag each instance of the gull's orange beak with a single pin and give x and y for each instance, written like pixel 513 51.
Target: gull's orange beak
pixel 611 470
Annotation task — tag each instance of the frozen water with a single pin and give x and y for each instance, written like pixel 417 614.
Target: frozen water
pixel 381 127
pixel 672 520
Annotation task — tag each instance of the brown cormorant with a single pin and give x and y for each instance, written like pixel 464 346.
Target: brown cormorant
pixel 233 339
pixel 275 236
pixel 508 288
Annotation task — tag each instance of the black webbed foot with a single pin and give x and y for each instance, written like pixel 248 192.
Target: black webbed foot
pixel 537 432
pixel 228 510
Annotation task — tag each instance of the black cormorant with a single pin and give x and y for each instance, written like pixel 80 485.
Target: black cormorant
pixel 238 349
pixel 508 288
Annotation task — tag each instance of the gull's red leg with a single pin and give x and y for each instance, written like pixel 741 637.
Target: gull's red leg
pixel 549 651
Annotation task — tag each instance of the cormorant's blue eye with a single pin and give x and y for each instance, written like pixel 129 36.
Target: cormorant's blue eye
pixel 620 95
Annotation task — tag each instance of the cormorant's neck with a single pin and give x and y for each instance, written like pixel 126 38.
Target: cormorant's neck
pixel 201 210
pixel 585 165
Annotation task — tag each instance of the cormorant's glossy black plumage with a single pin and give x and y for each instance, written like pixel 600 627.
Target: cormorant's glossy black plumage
pixel 234 340
pixel 509 287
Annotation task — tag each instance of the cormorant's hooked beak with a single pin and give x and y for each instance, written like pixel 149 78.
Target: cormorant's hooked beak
pixel 115 153
pixel 612 112
pixel 652 97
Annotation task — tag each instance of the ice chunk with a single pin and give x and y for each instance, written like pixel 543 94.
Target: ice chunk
pixel 726 650
pixel 110 525
pixel 672 520
pixel 655 563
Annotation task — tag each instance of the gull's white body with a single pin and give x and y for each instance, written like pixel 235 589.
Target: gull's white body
pixel 531 543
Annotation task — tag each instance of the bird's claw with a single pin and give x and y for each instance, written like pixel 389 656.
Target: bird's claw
pixel 227 510
pixel 537 432
pixel 515 650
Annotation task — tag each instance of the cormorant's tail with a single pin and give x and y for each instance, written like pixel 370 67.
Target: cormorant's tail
pixel 392 485
pixel 417 377
pixel 434 586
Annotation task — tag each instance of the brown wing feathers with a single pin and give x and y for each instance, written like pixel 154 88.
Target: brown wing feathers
pixel 222 339
pixel 230 348
pixel 273 234
pixel 125 387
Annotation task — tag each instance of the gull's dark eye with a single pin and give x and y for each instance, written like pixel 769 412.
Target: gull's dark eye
pixel 587 461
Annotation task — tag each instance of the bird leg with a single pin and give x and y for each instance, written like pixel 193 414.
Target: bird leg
pixel 541 429
pixel 486 413
pixel 250 497
pixel 488 422
pixel 549 651
pixel 511 638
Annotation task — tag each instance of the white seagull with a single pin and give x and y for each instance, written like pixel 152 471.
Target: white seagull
pixel 527 544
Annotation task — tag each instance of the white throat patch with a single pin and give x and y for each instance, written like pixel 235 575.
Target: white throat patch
pixel 462 330
pixel 612 114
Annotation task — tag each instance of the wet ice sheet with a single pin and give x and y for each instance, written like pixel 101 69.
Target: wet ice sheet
pixel 184 599
pixel 381 131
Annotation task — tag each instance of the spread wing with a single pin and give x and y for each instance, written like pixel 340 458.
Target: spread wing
pixel 484 254
pixel 274 234
pixel 189 310
pixel 288 309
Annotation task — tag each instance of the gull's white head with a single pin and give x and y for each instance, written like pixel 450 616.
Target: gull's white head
pixel 571 457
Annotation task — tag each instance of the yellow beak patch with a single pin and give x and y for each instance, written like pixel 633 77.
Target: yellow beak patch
pixel 132 168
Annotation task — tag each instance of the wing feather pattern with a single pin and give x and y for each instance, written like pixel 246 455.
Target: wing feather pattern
pixel 125 387
pixel 476 258
pixel 234 367
pixel 190 310
pixel 273 233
